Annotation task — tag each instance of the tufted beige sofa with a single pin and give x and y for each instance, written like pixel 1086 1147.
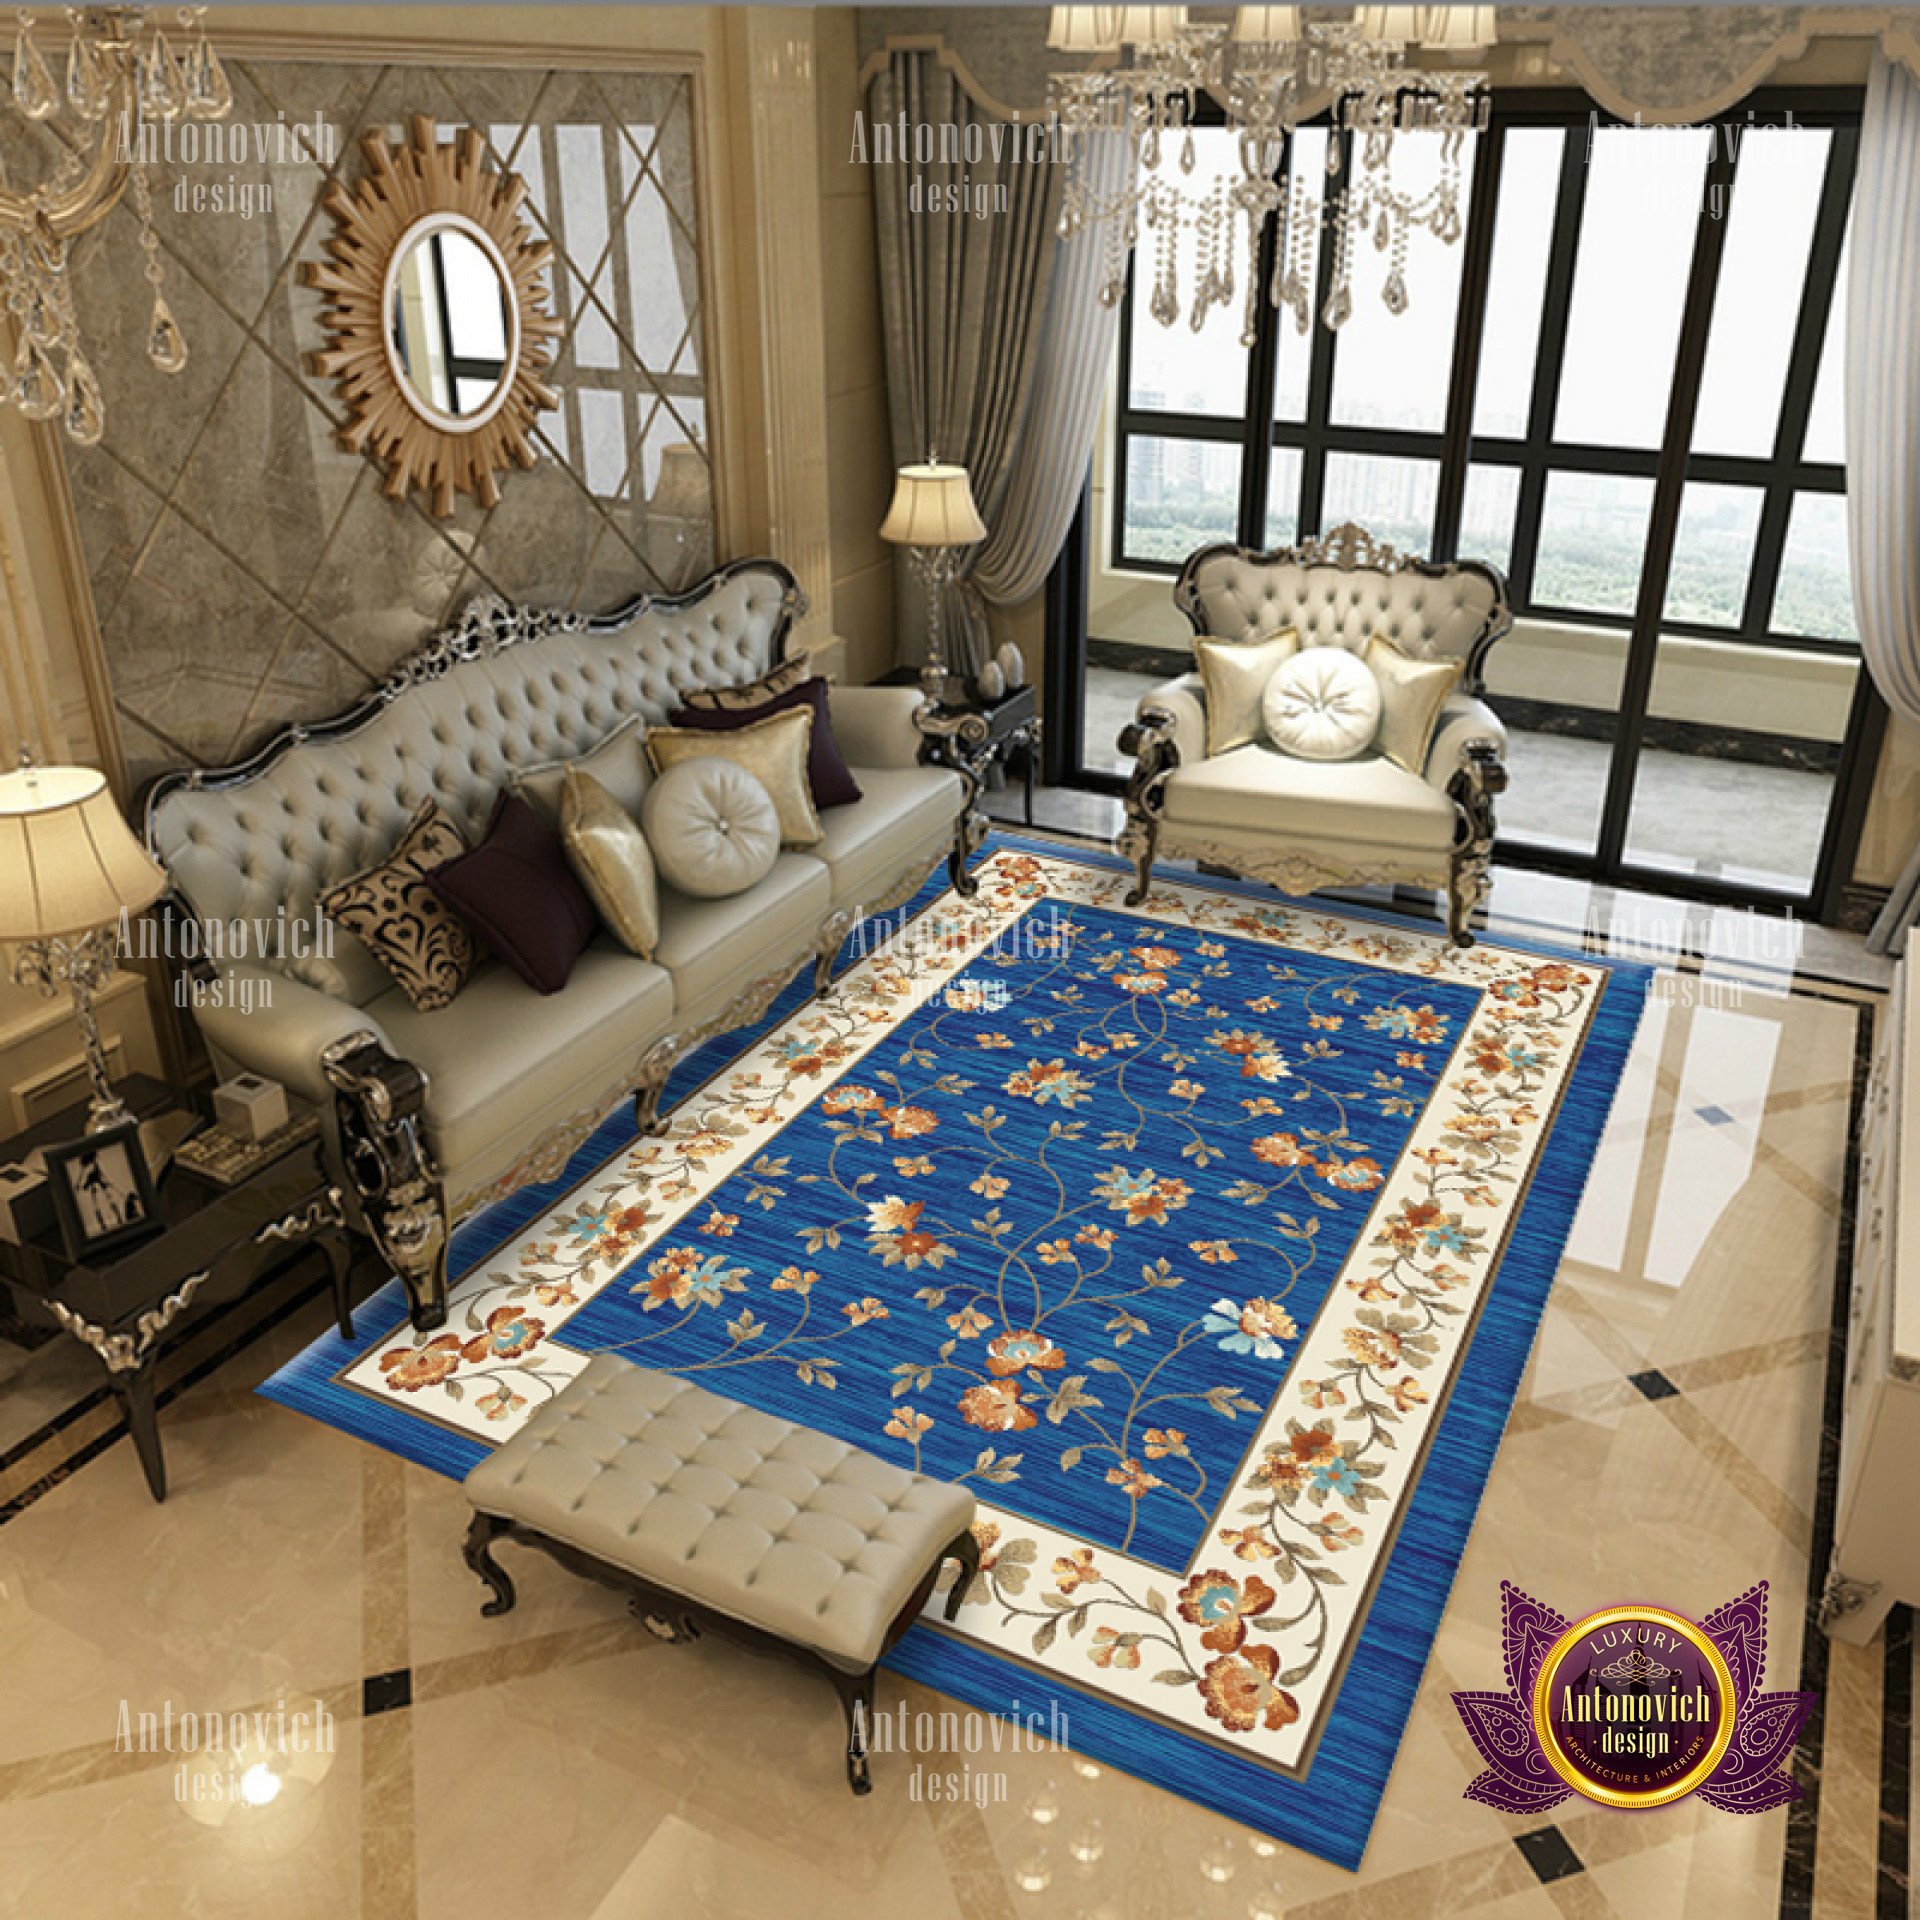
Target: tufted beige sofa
pixel 433 1114
pixel 1303 824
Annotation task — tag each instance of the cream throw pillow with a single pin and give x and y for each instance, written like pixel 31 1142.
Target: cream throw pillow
pixel 712 826
pixel 1235 674
pixel 1323 704
pixel 610 857
pixel 773 750
pixel 619 763
pixel 1412 693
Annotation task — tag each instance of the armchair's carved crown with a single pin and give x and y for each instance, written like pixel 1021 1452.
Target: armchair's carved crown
pixel 1454 608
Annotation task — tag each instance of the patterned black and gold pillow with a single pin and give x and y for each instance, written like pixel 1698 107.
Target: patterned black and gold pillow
pixel 410 930
pixel 752 693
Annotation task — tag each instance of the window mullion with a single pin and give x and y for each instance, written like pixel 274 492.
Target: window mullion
pixel 1663 520
pixel 1263 356
pixel 1469 323
pixel 1554 308
pixel 1819 304
pixel 1313 465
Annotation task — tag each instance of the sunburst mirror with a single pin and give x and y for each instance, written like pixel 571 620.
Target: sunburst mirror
pixel 437 317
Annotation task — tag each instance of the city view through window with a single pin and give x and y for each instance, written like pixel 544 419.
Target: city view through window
pixel 1710 516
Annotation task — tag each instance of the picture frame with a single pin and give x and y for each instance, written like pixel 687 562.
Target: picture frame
pixel 103 1190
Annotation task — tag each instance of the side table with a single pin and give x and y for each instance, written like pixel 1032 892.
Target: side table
pixel 972 737
pixel 1012 725
pixel 210 1244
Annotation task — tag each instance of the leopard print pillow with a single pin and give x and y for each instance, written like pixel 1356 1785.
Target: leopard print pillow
pixel 409 929
pixel 782 679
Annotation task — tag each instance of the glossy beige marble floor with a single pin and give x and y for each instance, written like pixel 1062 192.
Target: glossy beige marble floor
pixel 559 1763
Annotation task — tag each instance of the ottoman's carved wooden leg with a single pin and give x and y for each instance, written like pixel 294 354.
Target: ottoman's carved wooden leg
pixel 856 1696
pixel 478 1552
pixel 966 1549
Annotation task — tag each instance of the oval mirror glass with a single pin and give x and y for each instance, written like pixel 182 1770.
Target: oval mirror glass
pixel 452 324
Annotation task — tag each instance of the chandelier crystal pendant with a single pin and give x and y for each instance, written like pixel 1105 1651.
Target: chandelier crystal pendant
pixel 1268 73
pixel 121 76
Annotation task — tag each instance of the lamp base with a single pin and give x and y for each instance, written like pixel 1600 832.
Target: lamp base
pixel 105 1112
pixel 82 965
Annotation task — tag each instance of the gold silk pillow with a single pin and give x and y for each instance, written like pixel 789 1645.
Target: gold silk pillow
pixel 1235 674
pixel 1412 692
pixel 773 750
pixel 402 922
pixel 610 857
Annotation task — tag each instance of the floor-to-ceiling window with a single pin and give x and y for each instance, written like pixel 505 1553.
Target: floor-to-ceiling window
pixel 1622 388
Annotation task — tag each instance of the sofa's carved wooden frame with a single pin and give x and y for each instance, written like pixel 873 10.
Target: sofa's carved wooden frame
pixel 1149 741
pixel 379 1099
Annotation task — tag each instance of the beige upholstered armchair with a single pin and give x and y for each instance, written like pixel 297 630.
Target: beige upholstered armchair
pixel 1305 824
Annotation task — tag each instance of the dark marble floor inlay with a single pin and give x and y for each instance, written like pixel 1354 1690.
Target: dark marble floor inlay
pixel 1547 1852
pixel 382 1692
pixel 1654 1384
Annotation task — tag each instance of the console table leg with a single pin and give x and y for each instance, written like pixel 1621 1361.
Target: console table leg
pixel 136 1397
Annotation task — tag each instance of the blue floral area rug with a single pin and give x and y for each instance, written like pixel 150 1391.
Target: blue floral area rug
pixel 1206 1241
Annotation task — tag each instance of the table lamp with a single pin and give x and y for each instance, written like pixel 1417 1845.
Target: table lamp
pixel 69 867
pixel 933 516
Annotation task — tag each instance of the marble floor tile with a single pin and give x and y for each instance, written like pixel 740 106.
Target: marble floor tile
pixel 557 1761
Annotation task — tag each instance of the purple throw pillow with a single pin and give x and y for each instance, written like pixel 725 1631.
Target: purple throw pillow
pixel 829 779
pixel 516 891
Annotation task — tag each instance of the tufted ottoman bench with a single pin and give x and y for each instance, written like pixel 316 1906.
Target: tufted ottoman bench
pixel 708 1513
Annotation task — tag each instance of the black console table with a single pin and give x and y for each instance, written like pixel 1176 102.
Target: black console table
pixel 209 1245
pixel 1002 728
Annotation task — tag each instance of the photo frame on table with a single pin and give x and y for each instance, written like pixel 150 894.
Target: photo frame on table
pixel 103 1191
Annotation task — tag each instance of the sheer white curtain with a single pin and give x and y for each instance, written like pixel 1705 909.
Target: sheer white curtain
pixel 1883 417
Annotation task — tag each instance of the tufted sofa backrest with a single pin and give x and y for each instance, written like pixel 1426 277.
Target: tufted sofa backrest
pixel 1429 611
pixel 503 688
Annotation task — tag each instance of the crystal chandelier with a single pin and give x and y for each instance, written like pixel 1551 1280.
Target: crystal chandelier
pixel 1268 73
pixel 121 76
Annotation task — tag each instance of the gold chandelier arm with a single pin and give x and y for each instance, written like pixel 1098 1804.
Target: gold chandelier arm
pixel 88 201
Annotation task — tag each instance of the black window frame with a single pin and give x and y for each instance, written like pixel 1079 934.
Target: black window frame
pixel 1781 475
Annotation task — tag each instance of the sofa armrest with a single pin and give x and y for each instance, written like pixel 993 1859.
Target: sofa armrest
pixel 1462 718
pixel 1185 699
pixel 274 1026
pixel 874 725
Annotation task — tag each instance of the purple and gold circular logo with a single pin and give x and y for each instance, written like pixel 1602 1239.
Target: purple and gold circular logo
pixel 1634 1706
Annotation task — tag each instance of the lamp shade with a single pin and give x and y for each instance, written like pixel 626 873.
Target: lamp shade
pixel 933 507
pixel 685 491
pixel 1083 29
pixel 1460 29
pixel 1266 25
pixel 1151 26
pixel 1391 23
pixel 68 862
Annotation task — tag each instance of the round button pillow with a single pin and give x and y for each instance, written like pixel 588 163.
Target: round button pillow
pixel 1323 704
pixel 712 827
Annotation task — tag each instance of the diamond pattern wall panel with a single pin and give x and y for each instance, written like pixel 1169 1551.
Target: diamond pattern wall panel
pixel 247 572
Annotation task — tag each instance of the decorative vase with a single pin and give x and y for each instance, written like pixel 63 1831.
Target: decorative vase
pixel 1012 664
pixel 990 683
